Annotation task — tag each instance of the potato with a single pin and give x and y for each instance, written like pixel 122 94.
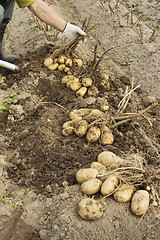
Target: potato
pixel 109 159
pixel 81 92
pixel 86 173
pixel 91 186
pixel 96 112
pixel 48 62
pixel 77 62
pixel 104 82
pixel 93 134
pixel 100 168
pixel 66 78
pixel 74 86
pixel 80 128
pixel 68 124
pixel 55 60
pixel 124 193
pixel 109 184
pixel 104 108
pixel 67 131
pixel 87 82
pixel 93 91
pixel 74 116
pixel 90 209
pixel 71 81
pixel 61 67
pixel 140 202
pixel 107 137
pixel 67 69
pixel 53 66
pixel 69 62
pixel 61 59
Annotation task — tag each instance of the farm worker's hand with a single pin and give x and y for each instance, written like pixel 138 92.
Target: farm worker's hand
pixel 72 32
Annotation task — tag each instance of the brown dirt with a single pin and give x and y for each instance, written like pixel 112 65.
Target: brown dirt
pixel 38 164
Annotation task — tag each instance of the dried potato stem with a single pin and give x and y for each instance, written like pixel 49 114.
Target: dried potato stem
pixel 138 20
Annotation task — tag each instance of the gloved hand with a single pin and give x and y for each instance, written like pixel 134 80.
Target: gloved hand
pixel 71 31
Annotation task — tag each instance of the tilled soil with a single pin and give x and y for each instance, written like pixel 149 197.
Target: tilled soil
pixel 39 164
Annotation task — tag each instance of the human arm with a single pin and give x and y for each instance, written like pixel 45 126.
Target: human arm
pixel 46 14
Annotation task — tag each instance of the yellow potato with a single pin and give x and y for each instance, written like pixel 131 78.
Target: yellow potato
pixel 109 159
pixel 77 62
pixel 74 116
pixel 55 60
pixel 93 91
pixel 107 137
pixel 80 128
pixel 109 184
pixel 67 131
pixel 67 69
pixel 140 202
pixel 96 112
pixel 104 108
pixel 91 186
pixel 61 59
pixel 87 82
pixel 87 173
pixel 81 92
pixel 61 67
pixel 69 62
pixel 90 209
pixel 66 78
pixel 124 193
pixel 105 82
pixel 68 124
pixel 53 66
pixel 100 167
pixel 93 134
pixel 74 86
pixel 48 62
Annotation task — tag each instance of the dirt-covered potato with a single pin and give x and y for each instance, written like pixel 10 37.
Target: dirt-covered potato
pixel 100 167
pixel 87 82
pixel 140 202
pixel 67 131
pixel 68 62
pixel 81 92
pixel 93 134
pixel 109 184
pixel 48 62
pixel 109 159
pixel 80 128
pixel 105 81
pixel 67 69
pixel 84 174
pixel 93 91
pixel 53 66
pixel 71 81
pixel 124 193
pixel 96 112
pixel 68 124
pixel 61 59
pixel 77 62
pixel 90 209
pixel 91 186
pixel 104 108
pixel 74 116
pixel 66 78
pixel 61 67
pixel 107 137
pixel 74 86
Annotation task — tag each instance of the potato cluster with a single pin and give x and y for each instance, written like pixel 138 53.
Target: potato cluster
pixel 81 87
pixel 79 125
pixel 100 177
pixel 62 63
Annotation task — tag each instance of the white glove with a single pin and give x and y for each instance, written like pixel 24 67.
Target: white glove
pixel 71 32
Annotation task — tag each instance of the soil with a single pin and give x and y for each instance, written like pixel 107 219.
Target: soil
pixel 38 188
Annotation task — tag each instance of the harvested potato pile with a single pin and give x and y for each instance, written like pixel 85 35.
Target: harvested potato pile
pixel 108 176
pixel 62 63
pixel 81 124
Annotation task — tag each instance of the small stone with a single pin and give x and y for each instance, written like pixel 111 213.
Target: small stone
pixel 4 86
